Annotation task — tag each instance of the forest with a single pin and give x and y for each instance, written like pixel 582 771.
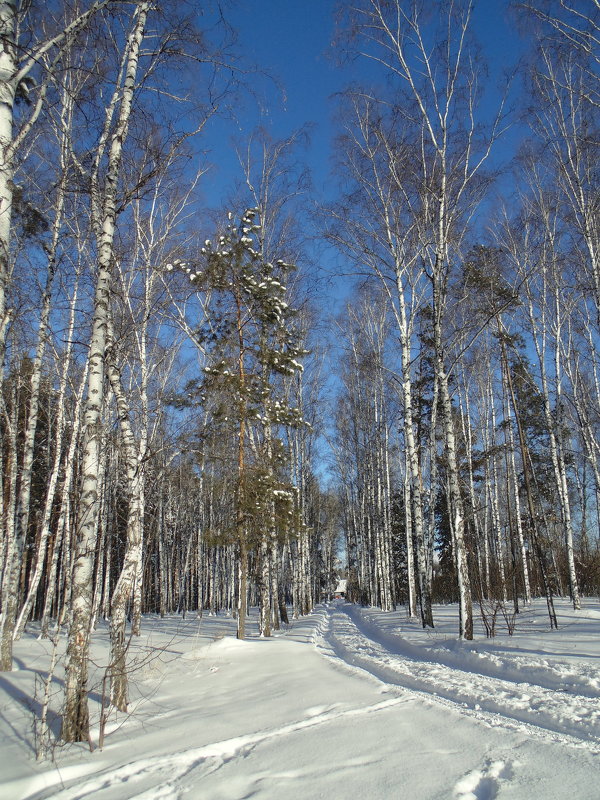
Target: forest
pixel 185 427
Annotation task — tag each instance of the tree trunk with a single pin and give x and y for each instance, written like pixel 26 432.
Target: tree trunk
pixel 528 489
pixel 76 716
pixel 456 502
pixel 131 568
pixel 13 545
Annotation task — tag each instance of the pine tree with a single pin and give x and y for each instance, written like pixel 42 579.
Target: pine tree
pixel 252 349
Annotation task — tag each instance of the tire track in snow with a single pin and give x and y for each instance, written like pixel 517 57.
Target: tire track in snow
pixel 565 715
pixel 582 679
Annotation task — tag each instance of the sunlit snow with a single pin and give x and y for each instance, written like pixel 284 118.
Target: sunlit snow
pixel 348 700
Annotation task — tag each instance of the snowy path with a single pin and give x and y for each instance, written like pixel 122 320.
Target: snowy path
pixel 345 697
pixel 558 700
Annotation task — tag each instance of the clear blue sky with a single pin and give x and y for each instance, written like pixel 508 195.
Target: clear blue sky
pixel 291 40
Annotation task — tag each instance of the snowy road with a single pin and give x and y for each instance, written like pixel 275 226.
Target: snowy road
pixel 556 700
pixel 345 697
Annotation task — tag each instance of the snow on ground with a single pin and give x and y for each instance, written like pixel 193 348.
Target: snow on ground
pixel 348 700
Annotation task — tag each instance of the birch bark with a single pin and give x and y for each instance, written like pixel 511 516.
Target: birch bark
pixel 131 567
pixel 68 464
pixel 76 716
pixel 16 63
pixel 541 327
pixel 15 69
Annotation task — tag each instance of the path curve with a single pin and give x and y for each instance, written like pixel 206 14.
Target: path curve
pixel 570 714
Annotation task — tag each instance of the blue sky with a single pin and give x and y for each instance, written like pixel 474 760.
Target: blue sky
pixel 291 40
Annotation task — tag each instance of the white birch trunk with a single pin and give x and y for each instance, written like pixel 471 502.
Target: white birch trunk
pixel 12 554
pixel 556 453
pixel 265 587
pixel 410 554
pixel 456 503
pixel 67 465
pixel 514 486
pixel 8 71
pixel 496 510
pixel 76 716
pixel 131 567
pixel 36 375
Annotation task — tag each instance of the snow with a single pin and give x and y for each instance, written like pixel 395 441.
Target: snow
pixel 346 699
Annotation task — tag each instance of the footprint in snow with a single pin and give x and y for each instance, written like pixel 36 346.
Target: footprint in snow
pixel 483 784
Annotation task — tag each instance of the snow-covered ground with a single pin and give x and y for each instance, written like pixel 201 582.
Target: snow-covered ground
pixel 346 702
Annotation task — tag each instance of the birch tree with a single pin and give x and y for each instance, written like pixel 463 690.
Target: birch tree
pixel 28 64
pixel 564 86
pixel 24 49
pixel 76 716
pixel 439 93
pixel 379 159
